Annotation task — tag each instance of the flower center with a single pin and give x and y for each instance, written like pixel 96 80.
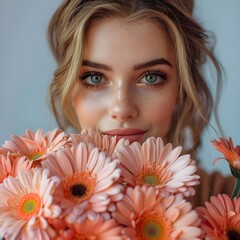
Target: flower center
pixel 151 180
pixel 28 206
pixel 152 227
pixel 153 175
pixel 78 190
pixel 35 156
pixel 233 235
pixel 79 187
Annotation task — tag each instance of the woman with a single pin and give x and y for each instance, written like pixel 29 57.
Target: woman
pixel 134 69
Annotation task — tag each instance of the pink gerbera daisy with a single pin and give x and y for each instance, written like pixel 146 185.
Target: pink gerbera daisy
pixel 158 165
pixel 99 228
pixel 89 181
pixel 221 218
pixel 61 227
pixel 103 142
pixel 147 214
pixel 11 165
pixel 26 204
pixel 35 146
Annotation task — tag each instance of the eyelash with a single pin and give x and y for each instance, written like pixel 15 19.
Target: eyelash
pixel 87 74
pixel 163 75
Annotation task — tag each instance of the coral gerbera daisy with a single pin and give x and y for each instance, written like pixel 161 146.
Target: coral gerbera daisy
pixel 26 204
pixel 149 215
pixel 89 181
pixel 221 218
pixel 103 142
pixel 61 227
pixel 231 153
pixel 35 146
pixel 157 165
pixel 11 165
pixel 99 228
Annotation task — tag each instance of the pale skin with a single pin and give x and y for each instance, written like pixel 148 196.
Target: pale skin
pixel 128 83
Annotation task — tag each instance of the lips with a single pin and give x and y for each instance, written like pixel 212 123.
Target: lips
pixel 130 134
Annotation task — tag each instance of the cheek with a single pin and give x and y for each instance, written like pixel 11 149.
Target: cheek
pixel 85 114
pixel 88 109
pixel 159 109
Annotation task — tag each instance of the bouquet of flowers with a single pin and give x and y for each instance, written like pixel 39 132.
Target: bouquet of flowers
pixel 91 186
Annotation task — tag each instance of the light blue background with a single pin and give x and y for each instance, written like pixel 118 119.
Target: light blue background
pixel 26 68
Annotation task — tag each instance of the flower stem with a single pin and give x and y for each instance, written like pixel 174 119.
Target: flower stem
pixel 236 188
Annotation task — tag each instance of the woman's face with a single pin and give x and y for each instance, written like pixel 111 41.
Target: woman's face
pixel 128 84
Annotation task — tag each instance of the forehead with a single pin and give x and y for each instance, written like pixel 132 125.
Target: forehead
pixel 117 37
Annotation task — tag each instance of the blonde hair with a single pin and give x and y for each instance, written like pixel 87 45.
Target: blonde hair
pixel 67 30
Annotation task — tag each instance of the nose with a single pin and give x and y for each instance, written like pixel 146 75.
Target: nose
pixel 123 105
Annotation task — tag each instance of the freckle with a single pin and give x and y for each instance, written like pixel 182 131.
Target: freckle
pixel 124 91
pixel 149 99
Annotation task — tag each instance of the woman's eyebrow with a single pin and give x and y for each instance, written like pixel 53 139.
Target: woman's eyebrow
pixel 153 63
pixel 96 65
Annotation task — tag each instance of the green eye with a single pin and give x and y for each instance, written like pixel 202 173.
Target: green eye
pixel 96 79
pixel 92 79
pixel 151 78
